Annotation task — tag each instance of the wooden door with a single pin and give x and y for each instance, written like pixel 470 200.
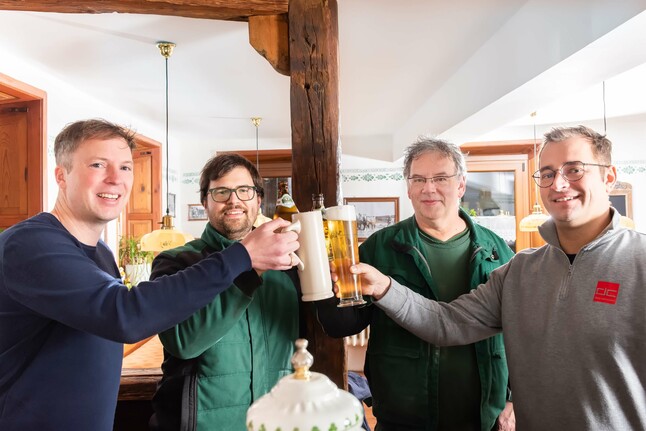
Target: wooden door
pixel 22 151
pixel 143 212
pixel 13 166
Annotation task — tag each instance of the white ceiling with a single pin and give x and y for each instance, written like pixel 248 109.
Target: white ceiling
pixel 461 69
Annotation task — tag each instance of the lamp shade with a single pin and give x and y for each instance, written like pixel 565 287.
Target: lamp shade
pixel 165 238
pixel 533 221
pixel 626 222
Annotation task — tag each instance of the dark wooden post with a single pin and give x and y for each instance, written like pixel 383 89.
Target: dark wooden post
pixel 313 53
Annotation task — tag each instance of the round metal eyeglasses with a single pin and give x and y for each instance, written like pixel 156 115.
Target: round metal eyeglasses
pixel 570 171
pixel 438 181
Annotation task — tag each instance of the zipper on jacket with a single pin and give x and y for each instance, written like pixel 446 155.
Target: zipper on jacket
pixel 423 259
pixel 565 287
pixel 475 253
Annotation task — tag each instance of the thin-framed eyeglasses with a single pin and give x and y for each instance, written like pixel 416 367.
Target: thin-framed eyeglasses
pixel 438 181
pixel 570 171
pixel 222 194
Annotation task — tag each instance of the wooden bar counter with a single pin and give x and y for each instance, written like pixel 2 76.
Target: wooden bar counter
pixel 139 376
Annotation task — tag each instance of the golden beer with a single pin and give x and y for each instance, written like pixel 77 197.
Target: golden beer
pixel 344 247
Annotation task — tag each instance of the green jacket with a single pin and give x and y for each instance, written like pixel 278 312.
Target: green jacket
pixel 401 368
pixel 227 355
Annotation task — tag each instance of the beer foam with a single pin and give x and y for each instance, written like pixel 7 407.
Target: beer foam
pixel 341 212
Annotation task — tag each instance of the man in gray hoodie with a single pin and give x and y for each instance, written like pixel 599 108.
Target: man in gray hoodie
pixel 573 312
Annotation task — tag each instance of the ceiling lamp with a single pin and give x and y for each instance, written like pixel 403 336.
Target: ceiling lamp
pixel 167 236
pixel 260 218
pixel 624 221
pixel 536 218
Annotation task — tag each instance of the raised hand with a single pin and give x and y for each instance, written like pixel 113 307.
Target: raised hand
pixel 373 282
pixel 270 249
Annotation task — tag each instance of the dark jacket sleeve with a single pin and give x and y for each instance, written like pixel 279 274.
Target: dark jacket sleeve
pixel 70 288
pixel 341 322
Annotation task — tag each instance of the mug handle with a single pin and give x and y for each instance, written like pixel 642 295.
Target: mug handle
pixel 295 227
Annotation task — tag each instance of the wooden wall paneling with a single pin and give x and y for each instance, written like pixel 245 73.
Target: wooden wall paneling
pixel 271 163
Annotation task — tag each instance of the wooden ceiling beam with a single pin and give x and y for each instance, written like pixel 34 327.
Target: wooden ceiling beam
pixel 269 35
pixel 228 10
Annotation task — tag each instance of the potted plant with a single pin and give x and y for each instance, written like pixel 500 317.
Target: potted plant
pixel 134 263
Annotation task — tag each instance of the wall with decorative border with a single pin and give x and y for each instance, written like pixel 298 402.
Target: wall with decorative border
pixel 387 182
pixel 376 182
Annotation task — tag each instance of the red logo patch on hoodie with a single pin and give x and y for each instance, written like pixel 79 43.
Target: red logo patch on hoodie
pixel 606 292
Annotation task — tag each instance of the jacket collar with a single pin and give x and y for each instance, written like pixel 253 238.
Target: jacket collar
pixel 214 238
pixel 408 235
pixel 550 235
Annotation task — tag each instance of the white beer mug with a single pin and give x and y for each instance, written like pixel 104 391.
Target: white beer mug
pixel 313 268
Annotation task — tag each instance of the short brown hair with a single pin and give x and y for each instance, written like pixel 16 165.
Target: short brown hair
pixel 601 146
pixel 222 164
pixel 73 134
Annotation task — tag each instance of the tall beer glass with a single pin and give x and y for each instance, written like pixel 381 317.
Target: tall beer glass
pixel 344 245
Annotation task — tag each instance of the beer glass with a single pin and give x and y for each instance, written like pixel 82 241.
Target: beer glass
pixel 344 245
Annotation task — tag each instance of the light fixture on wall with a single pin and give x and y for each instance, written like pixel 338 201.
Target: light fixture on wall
pixel 260 218
pixel 167 236
pixel 624 221
pixel 536 218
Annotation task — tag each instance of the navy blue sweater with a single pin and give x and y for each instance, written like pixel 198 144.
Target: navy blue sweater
pixel 64 315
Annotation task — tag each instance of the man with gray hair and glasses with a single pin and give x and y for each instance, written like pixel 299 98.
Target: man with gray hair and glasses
pixel 438 253
pixel 572 311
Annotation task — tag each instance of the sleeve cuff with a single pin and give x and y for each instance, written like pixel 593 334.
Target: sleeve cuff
pixel 248 282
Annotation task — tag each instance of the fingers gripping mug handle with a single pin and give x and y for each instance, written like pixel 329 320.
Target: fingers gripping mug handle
pixel 295 227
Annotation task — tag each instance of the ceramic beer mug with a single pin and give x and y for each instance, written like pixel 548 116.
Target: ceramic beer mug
pixel 344 245
pixel 313 268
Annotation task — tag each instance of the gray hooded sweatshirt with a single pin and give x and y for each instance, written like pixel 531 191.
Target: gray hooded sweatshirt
pixel 575 334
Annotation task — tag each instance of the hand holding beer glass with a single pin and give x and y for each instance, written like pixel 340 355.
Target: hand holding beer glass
pixel 344 244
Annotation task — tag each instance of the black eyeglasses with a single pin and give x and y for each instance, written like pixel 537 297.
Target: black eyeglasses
pixel 222 194
pixel 570 171
pixel 439 181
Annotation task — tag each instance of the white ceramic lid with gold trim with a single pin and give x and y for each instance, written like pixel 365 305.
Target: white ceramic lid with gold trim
pixel 305 401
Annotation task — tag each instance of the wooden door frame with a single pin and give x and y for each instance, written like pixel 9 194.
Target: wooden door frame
pixel 12 93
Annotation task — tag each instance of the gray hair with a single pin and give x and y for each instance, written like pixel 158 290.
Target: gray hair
pixel 427 145
pixel 601 146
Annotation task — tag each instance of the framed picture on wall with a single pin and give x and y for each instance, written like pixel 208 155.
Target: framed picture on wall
pixel 196 212
pixel 374 213
pixel 621 197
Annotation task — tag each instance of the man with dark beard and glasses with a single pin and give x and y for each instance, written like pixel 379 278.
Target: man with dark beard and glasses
pixel 235 349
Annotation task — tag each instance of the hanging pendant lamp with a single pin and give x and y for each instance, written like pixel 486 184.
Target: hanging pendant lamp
pixel 260 218
pixel 536 218
pixel 167 236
